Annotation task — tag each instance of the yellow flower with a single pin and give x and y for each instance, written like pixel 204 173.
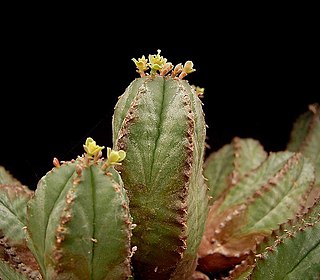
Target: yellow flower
pixel 91 148
pixel 115 157
pixel 141 64
pixel 156 62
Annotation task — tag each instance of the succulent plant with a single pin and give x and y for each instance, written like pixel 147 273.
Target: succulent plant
pixel 253 192
pixel 288 253
pixel 156 207
pixel 76 225
pixel 160 124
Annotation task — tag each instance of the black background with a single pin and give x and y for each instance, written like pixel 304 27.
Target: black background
pixel 61 80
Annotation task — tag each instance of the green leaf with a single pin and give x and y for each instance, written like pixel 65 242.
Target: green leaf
pixel 305 137
pixel 226 166
pixel 13 207
pixel 281 199
pixel 6 177
pixel 253 208
pixel 258 177
pixel 295 252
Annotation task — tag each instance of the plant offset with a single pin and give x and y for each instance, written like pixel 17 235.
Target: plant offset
pixel 156 208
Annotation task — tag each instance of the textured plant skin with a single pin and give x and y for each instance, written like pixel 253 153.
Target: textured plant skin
pixel 290 252
pixel 228 228
pixel 16 260
pixel 256 212
pixel 160 124
pixel 305 138
pixel 224 168
pixel 13 208
pixel 305 134
pixel 79 226
pixel 252 207
pixel 76 225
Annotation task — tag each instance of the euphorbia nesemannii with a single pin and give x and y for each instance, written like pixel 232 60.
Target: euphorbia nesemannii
pixel 78 223
pixel 160 124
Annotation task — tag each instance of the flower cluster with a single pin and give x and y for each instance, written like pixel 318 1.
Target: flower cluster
pixel 95 151
pixel 159 65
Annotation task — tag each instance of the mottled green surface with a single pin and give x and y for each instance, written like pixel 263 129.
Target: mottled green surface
pixel 255 180
pixel 13 207
pixel 282 200
pixel 305 137
pixel 79 224
pixel 297 255
pixel 252 208
pixel 226 166
pixel 41 207
pixel 160 124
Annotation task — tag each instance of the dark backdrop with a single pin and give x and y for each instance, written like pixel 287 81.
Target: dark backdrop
pixel 61 83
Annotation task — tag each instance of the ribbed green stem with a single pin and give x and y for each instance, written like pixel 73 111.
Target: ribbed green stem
pixel 79 224
pixel 159 122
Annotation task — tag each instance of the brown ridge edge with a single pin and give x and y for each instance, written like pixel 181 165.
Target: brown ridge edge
pixel 20 258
